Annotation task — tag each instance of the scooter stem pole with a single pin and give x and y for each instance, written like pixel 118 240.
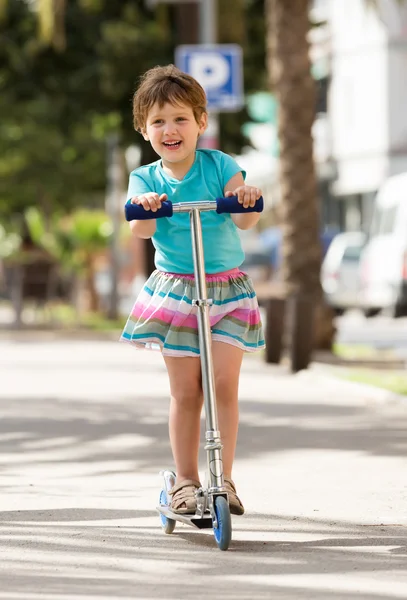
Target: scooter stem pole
pixel 213 443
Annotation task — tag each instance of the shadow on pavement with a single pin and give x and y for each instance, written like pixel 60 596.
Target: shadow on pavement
pixel 64 559
pixel 64 553
pixel 134 434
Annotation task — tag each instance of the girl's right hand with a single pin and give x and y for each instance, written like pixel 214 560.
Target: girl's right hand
pixel 150 200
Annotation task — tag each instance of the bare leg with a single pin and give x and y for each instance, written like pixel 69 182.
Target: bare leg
pixel 227 360
pixel 185 413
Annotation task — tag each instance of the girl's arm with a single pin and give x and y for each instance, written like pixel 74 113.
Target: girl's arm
pixel 143 229
pixel 150 201
pixel 248 196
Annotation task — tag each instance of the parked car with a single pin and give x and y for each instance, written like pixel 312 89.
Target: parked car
pixel 384 259
pixel 340 271
pixel 264 251
pixel 257 263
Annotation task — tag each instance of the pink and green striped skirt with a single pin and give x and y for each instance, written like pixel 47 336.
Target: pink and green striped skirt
pixel 164 317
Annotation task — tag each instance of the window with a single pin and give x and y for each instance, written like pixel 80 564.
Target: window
pixel 352 253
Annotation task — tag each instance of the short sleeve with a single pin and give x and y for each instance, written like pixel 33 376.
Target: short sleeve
pixel 229 168
pixel 138 184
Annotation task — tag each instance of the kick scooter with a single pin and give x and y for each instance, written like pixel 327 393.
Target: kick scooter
pixel 212 502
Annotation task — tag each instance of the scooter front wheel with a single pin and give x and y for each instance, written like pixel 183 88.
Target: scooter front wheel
pixel 223 532
pixel 168 525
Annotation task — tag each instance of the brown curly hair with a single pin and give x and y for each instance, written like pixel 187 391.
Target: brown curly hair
pixel 166 84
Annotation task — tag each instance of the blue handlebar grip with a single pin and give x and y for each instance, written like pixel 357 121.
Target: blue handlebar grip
pixel 231 205
pixel 136 212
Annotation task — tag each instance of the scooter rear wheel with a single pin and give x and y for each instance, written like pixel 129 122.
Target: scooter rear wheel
pixel 223 532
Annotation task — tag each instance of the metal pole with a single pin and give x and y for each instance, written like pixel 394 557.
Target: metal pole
pixel 112 205
pixel 213 443
pixel 208 377
pixel 208 22
pixel 208 34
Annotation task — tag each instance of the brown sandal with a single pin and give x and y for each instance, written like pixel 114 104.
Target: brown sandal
pixel 235 505
pixel 183 497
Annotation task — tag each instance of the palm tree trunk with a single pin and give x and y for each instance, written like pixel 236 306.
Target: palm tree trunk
pixel 289 68
pixel 92 295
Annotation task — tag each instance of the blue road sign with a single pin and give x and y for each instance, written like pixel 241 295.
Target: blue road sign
pixel 218 68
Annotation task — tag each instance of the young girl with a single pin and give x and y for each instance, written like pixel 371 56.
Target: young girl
pixel 169 110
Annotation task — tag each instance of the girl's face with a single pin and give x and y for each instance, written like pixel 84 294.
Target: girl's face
pixel 173 133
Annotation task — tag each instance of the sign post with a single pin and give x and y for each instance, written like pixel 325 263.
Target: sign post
pixel 218 68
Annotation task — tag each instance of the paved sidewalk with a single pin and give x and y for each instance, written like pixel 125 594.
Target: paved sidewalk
pixel 83 434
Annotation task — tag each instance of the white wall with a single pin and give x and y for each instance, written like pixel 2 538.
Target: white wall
pixel 358 96
pixel 368 94
pixel 358 103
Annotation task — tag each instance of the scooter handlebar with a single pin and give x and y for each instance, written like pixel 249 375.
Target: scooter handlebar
pixel 232 205
pixel 136 212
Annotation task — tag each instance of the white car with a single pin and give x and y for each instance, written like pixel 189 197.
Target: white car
pixel 384 259
pixel 340 271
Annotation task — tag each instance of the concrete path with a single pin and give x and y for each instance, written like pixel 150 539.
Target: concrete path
pixel 83 434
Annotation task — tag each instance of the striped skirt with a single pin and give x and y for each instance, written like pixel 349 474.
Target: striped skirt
pixel 164 317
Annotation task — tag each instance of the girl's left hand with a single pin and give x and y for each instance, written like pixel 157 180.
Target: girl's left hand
pixel 246 195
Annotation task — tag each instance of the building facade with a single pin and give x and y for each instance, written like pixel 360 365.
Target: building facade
pixel 366 58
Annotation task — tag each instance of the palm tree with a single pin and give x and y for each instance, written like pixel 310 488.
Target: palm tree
pixel 76 241
pixel 290 72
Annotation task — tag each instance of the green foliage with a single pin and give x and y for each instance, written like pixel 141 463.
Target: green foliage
pixel 10 242
pixel 73 238
pixel 42 167
pixel 392 380
pixel 58 107
pixel 90 230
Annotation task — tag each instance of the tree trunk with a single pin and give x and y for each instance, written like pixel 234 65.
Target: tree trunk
pixel 232 26
pixel 92 295
pixel 289 69
pixel 187 22
pixel 17 276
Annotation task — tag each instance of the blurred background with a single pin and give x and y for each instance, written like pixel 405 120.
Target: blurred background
pixel 311 104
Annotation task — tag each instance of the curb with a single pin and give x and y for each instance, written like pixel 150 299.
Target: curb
pixel 317 374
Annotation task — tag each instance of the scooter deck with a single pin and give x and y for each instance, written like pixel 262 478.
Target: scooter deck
pixel 204 522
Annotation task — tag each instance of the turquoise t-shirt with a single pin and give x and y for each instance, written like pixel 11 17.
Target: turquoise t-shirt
pixel 205 180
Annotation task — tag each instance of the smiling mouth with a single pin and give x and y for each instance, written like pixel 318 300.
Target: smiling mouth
pixel 172 144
